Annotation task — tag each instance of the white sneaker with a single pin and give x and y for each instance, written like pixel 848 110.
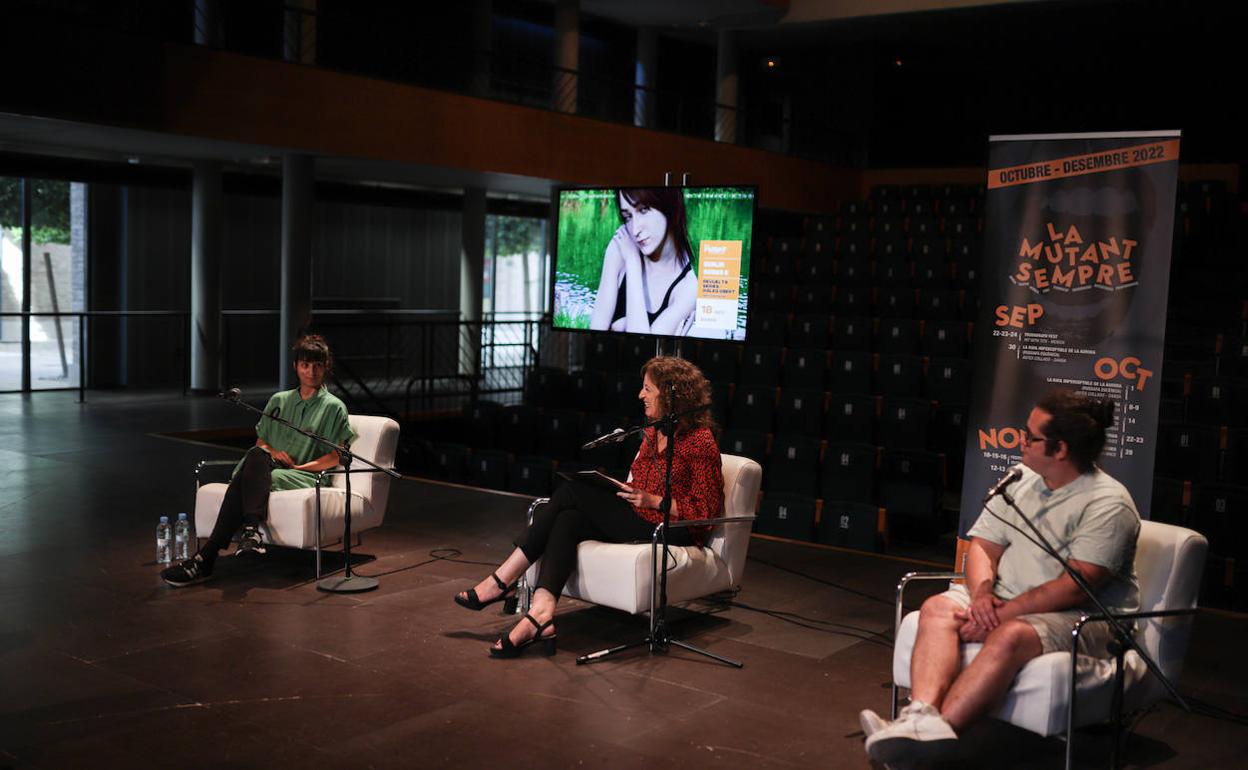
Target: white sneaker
pixel 871 722
pixel 919 734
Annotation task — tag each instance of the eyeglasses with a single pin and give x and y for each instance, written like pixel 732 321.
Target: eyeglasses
pixel 1030 438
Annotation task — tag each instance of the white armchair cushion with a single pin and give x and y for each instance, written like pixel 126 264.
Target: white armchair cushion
pixel 292 512
pixel 620 575
pixel 1037 700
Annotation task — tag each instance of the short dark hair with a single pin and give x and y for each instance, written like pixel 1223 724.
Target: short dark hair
pixel 313 347
pixel 1080 421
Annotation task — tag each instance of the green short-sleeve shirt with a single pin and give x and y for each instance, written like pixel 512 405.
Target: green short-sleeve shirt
pixel 1092 519
pixel 323 414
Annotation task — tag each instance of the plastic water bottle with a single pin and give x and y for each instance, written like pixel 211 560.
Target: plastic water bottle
pixel 182 538
pixel 164 541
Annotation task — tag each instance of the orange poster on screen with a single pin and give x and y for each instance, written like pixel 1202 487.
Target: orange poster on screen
pixel 719 284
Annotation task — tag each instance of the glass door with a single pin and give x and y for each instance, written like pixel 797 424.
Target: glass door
pixel 38 349
pixel 12 284
pixel 58 256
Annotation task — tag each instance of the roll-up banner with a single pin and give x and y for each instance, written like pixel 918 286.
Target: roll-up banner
pixel 1073 290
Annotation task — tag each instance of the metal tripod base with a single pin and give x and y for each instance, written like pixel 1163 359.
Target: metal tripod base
pixel 656 646
pixel 347 584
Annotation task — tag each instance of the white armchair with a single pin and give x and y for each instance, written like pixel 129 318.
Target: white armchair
pixel 313 517
pixel 1057 692
pixel 625 575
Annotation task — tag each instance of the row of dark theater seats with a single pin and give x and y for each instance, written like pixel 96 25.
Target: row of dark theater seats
pixel 1202 452
pixel 1217 511
pixel 884 271
pixel 948 338
pixel 521 449
pixel 1203 198
pixel 1206 401
pixel 847 366
pixel 1205 453
pixel 844 522
pixel 759 432
pixel 925 240
pixel 800 385
pixel 823 303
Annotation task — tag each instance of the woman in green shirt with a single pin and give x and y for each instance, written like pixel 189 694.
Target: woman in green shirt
pixel 281 459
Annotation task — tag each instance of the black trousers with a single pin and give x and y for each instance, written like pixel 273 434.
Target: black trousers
pixel 578 511
pixel 246 502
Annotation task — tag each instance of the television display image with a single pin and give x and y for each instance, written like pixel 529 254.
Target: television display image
pixel 668 261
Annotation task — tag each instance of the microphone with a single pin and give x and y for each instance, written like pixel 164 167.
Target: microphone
pixel 233 394
pixel 1015 474
pixel 610 438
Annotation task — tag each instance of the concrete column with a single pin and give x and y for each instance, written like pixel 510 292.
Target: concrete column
pixel 471 270
pixel 299 32
pixel 207 29
pixel 298 180
pixel 78 244
pixel 207 202
pixel 567 54
pixel 726 91
pixel 482 46
pixel 644 77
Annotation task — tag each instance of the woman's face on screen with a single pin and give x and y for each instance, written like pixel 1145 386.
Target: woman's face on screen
pixel 647 226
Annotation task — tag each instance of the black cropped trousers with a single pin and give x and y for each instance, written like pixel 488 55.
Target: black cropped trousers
pixel 576 512
pixel 246 501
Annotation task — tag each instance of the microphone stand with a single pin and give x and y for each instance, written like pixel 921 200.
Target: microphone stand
pixel 349 582
pixel 659 639
pixel 1123 639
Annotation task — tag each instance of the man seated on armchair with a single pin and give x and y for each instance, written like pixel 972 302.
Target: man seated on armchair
pixel 1017 599
pixel 281 459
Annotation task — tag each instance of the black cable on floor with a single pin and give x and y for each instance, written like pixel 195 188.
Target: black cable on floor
pixel 838 586
pixel 813 624
pixel 452 553
pixel 1205 709
pixel 435 555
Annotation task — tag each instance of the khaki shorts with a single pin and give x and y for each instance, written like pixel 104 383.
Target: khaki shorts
pixel 1054 628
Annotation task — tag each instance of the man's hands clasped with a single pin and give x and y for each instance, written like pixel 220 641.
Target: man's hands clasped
pixel 979 619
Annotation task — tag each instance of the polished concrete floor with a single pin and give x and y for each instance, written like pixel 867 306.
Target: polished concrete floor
pixel 101 665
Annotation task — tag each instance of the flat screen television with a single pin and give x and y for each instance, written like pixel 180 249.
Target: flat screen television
pixel 665 261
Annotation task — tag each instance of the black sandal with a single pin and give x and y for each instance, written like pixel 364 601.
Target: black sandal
pixel 475 604
pixel 509 650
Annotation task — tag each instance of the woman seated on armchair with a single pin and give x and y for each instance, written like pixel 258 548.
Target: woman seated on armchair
pixel 579 511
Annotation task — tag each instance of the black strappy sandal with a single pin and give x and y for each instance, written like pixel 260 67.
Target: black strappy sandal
pixel 509 650
pixel 475 604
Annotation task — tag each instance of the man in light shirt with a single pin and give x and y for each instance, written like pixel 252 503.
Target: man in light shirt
pixel 1017 600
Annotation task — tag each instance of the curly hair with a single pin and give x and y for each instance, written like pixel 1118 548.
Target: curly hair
pixel 313 347
pixel 681 386
pixel 1080 421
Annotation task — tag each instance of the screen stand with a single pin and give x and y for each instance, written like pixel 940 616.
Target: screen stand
pixel 658 347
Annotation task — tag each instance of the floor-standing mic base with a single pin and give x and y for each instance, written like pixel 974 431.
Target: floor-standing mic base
pixel 341 584
pixel 656 647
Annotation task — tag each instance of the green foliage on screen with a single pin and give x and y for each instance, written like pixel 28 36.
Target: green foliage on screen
pixel 588 219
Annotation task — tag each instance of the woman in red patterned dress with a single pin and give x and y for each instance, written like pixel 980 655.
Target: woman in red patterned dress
pixel 580 511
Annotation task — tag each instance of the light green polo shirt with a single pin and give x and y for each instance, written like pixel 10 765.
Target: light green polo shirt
pixel 1092 519
pixel 323 414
